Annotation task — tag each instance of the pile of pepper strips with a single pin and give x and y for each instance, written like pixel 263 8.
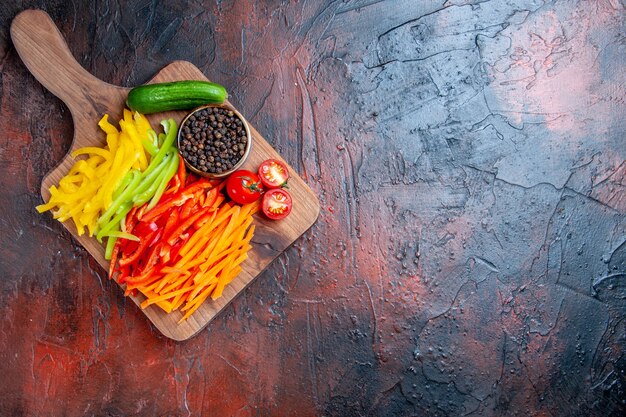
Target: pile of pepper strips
pixel 171 235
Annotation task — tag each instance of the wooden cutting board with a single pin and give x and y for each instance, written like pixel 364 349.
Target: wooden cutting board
pixel 45 53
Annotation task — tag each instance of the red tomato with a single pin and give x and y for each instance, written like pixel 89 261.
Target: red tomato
pixel 244 186
pixel 273 173
pixel 276 204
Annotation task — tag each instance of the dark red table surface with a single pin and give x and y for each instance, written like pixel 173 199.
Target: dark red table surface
pixel 470 257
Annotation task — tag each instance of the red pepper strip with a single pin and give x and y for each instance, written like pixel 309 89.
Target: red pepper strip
pixel 176 248
pixel 204 219
pixel 143 244
pixel 169 188
pixel 190 179
pixel 162 207
pixel 143 277
pixel 172 186
pixel 153 258
pixel 165 252
pixel 124 272
pixel 182 173
pixel 131 220
pixel 210 198
pixel 140 212
pixel 177 180
pixel 114 254
pixel 177 234
pixel 177 199
pixel 201 184
pixel 188 207
pixel 172 220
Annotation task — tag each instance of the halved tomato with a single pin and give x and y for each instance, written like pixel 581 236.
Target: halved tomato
pixel 276 204
pixel 273 173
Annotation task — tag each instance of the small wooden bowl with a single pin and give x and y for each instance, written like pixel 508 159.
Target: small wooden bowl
pixel 241 160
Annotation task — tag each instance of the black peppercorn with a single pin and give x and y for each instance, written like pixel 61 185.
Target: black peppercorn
pixel 213 140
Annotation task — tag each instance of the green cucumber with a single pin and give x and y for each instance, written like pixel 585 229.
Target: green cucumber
pixel 178 95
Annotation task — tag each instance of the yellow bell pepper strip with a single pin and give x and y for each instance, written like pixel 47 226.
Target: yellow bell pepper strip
pixel 107 127
pixel 92 150
pixel 142 124
pixel 130 130
pixel 101 174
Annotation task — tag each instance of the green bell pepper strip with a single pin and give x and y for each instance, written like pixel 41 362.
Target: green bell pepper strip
pixel 164 176
pixel 122 235
pixel 108 252
pixel 149 179
pixel 169 126
pixel 125 180
pixel 114 223
pixel 121 199
pixel 171 171
pixel 152 143
pixel 148 188
pixel 149 146
pixel 109 248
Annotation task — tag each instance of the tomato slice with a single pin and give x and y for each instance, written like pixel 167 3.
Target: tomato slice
pixel 243 186
pixel 273 173
pixel 276 204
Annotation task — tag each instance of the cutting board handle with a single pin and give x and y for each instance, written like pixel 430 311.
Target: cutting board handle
pixel 46 54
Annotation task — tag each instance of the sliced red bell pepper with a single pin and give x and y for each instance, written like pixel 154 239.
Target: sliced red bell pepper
pixel 164 253
pixel 187 208
pixel 178 232
pixel 114 255
pixel 131 219
pixel 177 180
pixel 210 197
pixel 172 221
pixel 176 248
pixel 163 206
pixel 152 258
pixel 177 199
pixel 124 273
pixel 144 243
pixel 182 172
pixel 144 276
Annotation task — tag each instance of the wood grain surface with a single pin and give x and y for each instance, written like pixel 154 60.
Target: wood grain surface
pixel 45 53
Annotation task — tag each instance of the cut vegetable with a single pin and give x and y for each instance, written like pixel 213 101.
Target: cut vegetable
pixel 99 192
pixel 179 95
pixel 191 246
pixel 277 204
